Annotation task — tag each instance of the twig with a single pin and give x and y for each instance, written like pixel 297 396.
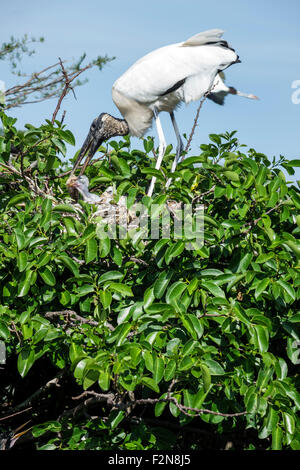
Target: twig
pixel 50 383
pixel 193 128
pixel 63 117
pixel 10 168
pixel 138 261
pixel 64 92
pixel 71 315
pixel 255 222
pixel 200 196
pixel 110 399
pixel 15 414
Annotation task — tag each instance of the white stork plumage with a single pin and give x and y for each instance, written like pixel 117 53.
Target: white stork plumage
pixel 160 81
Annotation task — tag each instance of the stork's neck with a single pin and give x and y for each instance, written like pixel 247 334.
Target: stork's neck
pixel 114 126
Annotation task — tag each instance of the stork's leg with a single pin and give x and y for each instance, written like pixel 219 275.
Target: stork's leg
pixel 179 147
pixel 161 152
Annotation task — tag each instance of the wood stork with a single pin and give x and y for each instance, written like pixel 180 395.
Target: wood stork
pixel 159 81
pixel 220 90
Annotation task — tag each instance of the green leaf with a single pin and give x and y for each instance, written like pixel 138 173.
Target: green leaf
pixel 91 249
pixel 262 338
pixel 26 360
pixel 193 325
pixel 288 288
pixel 123 332
pixel 186 363
pixel 170 370
pixel 159 308
pixel 17 199
pixel 4 331
pixel 115 418
pixel 173 251
pixel 121 288
pixel 244 263
pixel 206 377
pixel 64 208
pixel 293 246
pixel 65 298
pixel 277 438
pixel 175 291
pixel 105 298
pixel 289 423
pixel 117 256
pixel 70 264
pixel 150 383
pixel 214 289
pixel 153 172
pixel 148 297
pixel 104 380
pixel 214 367
pixel 110 276
pixel 121 165
pixel 25 284
pixel 295 198
pixel 67 136
pixel 232 176
pixel 293 163
pixel 20 238
pixel 191 161
pixel 161 283
pixel 106 172
pixel 40 429
pixel 261 287
pixel 158 369
pixel 60 145
pixel 104 247
pixel 160 406
pixel 47 276
pixel 22 260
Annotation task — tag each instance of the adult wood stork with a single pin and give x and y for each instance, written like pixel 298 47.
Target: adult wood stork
pixel 159 81
pixel 220 90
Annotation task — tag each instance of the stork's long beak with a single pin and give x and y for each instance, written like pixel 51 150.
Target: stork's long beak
pixel 92 142
pixel 252 97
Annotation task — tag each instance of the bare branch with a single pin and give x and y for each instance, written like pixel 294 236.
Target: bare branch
pixel 111 400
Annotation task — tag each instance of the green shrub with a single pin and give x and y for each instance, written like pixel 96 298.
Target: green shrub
pixel 127 344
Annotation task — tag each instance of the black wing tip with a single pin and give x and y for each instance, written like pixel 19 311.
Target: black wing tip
pixel 216 99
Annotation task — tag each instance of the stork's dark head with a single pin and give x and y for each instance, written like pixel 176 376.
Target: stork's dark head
pixel 102 128
pixel 99 131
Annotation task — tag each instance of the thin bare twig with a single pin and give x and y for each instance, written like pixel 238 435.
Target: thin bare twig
pixel 255 222
pixel 196 120
pixel 41 390
pixel 71 315
pixel 15 414
pixel 64 92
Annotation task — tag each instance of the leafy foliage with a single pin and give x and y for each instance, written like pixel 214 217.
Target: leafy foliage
pixel 149 342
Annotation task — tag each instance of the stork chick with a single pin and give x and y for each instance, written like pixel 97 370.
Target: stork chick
pixel 82 185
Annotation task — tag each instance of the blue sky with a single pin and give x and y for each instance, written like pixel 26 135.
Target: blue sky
pixel 265 34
